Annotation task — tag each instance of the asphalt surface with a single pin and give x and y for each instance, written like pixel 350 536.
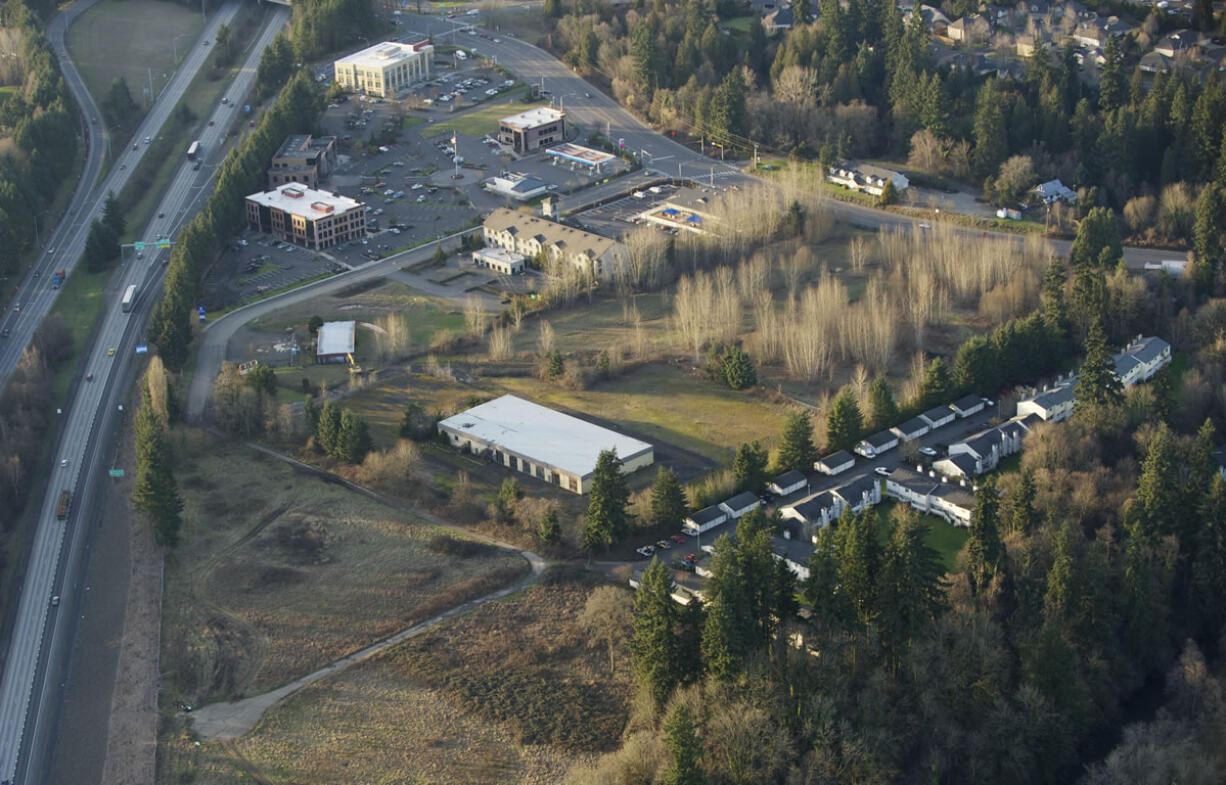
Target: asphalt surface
pixel 30 692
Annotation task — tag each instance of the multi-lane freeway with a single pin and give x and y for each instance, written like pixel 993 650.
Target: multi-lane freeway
pixel 37 650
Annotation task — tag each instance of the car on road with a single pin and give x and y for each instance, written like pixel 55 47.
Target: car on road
pixel 5 333
pixel 988 402
pixel 587 95
pixel 161 215
pixel 89 377
pixel 691 557
pixel 148 139
pixel 645 551
pixel 677 538
pixel 196 168
pixel 55 600
pixel 110 352
pixel 929 452
pixel 663 544
pixel 884 472
pixel 135 145
pixel 64 463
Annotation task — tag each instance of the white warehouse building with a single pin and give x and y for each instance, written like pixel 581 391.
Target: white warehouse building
pixel 536 440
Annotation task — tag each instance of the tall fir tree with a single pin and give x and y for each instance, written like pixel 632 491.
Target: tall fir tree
pixel 728 634
pixel 796 450
pixel 1022 514
pixel 910 591
pixel 845 423
pixel 1098 387
pixel 684 749
pixel 606 520
pixel 668 502
pixel 749 467
pixel 652 643
pixel 985 553
pixel 883 411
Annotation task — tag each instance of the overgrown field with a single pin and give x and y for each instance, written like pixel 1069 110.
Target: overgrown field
pixel 510 693
pixel 280 574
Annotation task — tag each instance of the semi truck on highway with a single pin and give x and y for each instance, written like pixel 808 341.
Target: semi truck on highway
pixel 129 298
pixel 193 150
pixel 61 510
pixel 58 278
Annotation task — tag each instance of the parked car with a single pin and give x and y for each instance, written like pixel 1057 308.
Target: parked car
pixel 929 452
pixel 677 538
pixel 663 544
pixel 884 472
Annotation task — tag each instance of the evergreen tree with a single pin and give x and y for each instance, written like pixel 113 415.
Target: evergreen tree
pixel 797 450
pixel 552 9
pixel 937 386
pixel 728 633
pixel 328 428
pixel 889 194
pixel 652 642
pixel 1022 515
pixel 884 411
pixel 985 553
pixel 684 748
pixel 643 57
pixel 1055 313
pixel 1208 569
pixel 1062 590
pixel 549 531
pixel 606 510
pixel 737 369
pixel 976 366
pixel 1098 386
pixel 1096 232
pixel 991 136
pixel 1155 510
pixel 1202 15
pixel 821 590
pixel 859 563
pixel 1207 233
pixel 154 490
pixel 352 438
pixel 910 592
pixel 112 216
pixel 504 504
pixel 749 467
pixel 844 424
pixel 687 656
pixel 1111 79
pixel 668 502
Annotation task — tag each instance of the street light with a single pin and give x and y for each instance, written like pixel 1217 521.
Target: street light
pixel 174 48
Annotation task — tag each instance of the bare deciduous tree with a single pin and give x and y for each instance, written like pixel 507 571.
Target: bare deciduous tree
pixel 606 616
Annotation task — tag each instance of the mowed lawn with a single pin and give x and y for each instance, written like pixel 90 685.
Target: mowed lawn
pixel 666 403
pixel 945 539
pixel 132 39
pixel 478 122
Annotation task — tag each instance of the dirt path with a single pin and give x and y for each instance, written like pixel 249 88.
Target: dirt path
pixel 226 721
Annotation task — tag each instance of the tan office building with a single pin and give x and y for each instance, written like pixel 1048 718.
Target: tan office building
pixel 382 69
pixel 530 236
pixel 302 159
pixel 306 217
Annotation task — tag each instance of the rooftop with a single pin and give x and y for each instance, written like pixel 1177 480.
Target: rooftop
pixel 789 478
pixel 707 514
pixel 840 458
pixel 912 425
pixel 384 53
pixel 569 239
pixel 535 431
pixel 298 199
pixel 532 118
pixel 967 402
pixel 880 439
pixel 584 155
pixel 335 338
pixel 742 500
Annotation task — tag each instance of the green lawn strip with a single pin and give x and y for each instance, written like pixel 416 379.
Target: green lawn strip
pixel 477 122
pixel 78 305
pixel 947 540
pixel 411 121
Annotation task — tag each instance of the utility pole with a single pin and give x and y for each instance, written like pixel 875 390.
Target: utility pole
pixel 755 155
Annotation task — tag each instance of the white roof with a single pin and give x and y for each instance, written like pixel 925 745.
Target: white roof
pixel 335 338
pixel 533 117
pixel 542 434
pixel 499 255
pixel 298 199
pixel 385 53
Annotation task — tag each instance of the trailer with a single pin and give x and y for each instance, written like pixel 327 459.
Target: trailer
pixel 61 510
pixel 129 298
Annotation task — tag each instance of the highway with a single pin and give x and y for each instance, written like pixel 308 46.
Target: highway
pixel 37 653
pixel 34 297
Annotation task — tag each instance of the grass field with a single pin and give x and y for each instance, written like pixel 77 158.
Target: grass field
pixel 81 299
pixel 279 574
pixel 478 122
pixel 943 538
pixel 510 693
pixel 132 39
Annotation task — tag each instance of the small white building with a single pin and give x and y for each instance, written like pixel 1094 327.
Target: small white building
pixel 704 520
pixel 516 185
pixel 1054 191
pixel 911 429
pixel 741 504
pixel 1052 404
pixel 334 342
pixel 859 494
pixel 500 260
pixel 877 444
pixel 938 416
pixel 958 467
pixel 1141 359
pixel 967 405
pixel 788 483
pixel 794 553
pixel 866 178
pixel 835 463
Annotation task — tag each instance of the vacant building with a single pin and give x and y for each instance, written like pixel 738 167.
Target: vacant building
pixel 533 129
pixel 548 445
pixel 302 159
pixel 534 237
pixel 306 217
pixel 334 342
pixel 382 69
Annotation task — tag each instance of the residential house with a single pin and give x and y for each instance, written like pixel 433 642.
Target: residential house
pixel 984 448
pixel 910 487
pixel 794 553
pixel 953 503
pixel 967 405
pixel 788 483
pixel 933 19
pixel 877 444
pixel 938 416
pixel 779 19
pixel 1180 42
pixel 911 429
pixel 1154 63
pixel 1054 191
pixel 741 504
pixel 533 237
pixel 704 520
pixel 1053 404
pixel 1028 45
pixel 957 467
pixel 971 30
pixel 835 463
pixel 866 178
pixel 859 494
pixel 1141 359
pixel 815 513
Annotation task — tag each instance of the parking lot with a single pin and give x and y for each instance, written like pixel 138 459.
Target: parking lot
pixel 613 219
pixel 258 263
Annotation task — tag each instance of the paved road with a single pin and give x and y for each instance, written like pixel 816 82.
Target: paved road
pixel 66 244
pixel 35 662
pixel 216 336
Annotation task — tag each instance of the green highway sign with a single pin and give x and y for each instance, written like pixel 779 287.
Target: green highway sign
pixel 138 245
pixel 164 242
pixel 116 472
